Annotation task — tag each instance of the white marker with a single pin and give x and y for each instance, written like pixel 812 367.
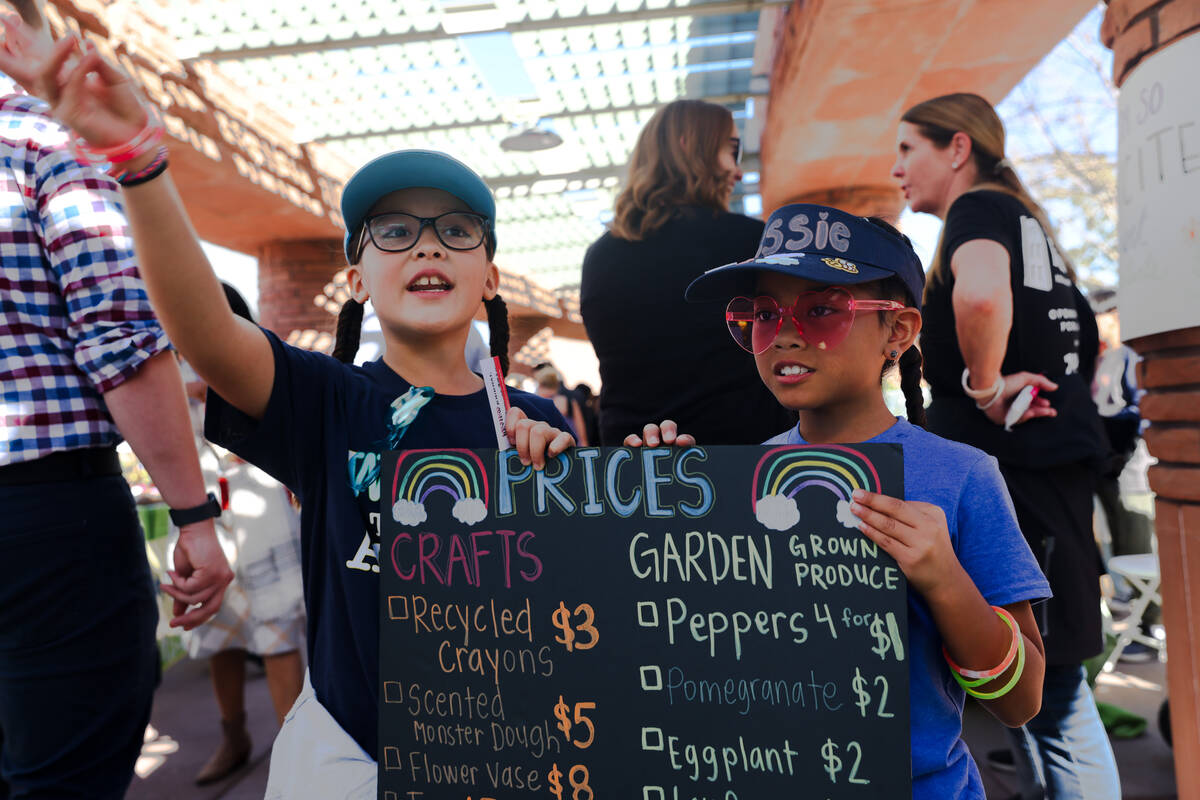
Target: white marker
pixel 1020 405
pixel 497 393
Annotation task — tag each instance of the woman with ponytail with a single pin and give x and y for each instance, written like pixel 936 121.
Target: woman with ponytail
pixel 1004 320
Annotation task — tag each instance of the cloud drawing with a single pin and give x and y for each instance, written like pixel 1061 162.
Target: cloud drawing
pixel 406 512
pixel 469 510
pixel 777 512
pixel 845 515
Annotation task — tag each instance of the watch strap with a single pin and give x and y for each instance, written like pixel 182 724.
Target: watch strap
pixel 209 509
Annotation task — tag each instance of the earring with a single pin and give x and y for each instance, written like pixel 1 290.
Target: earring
pixel 892 355
pixel 953 165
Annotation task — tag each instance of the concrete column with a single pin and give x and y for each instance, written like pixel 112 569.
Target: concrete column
pixel 1152 262
pixel 294 286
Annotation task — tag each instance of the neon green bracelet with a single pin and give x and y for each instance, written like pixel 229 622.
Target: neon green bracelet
pixel 1006 688
pixel 970 678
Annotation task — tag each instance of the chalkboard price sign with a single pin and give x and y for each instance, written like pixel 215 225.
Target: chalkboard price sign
pixel 653 624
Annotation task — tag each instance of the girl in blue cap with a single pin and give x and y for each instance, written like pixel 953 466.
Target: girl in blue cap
pixel 420 240
pixel 827 306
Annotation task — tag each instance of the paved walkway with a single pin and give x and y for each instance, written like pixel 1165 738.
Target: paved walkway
pixel 185 719
pixel 185 732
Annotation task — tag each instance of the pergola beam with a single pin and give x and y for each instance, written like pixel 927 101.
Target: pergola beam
pixel 725 99
pixel 750 163
pixel 716 8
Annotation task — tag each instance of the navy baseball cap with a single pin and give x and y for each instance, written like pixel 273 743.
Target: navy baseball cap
pixel 821 244
pixel 408 169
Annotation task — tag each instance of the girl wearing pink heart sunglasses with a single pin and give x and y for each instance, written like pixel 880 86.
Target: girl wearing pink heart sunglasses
pixel 829 304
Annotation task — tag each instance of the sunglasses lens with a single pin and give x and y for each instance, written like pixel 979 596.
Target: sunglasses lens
pixel 766 323
pixel 739 317
pixel 825 318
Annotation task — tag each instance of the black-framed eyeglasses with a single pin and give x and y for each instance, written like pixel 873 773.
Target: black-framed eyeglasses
pixel 395 231
pixel 737 149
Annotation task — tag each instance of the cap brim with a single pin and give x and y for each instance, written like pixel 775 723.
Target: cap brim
pixel 730 280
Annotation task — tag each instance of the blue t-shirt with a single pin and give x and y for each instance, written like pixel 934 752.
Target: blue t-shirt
pixel 966 484
pixel 325 422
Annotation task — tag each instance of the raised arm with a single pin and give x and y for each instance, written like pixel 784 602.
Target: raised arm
pixel 101 104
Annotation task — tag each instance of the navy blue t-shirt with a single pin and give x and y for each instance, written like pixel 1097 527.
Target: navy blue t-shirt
pixel 966 484
pixel 326 422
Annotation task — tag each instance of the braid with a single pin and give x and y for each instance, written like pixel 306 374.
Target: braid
pixel 910 384
pixel 349 331
pixel 497 318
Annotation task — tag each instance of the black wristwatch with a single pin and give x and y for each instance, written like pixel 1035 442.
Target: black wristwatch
pixel 209 509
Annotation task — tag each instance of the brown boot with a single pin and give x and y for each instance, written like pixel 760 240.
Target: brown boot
pixel 233 752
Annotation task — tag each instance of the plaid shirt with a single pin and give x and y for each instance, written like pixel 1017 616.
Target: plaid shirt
pixel 74 318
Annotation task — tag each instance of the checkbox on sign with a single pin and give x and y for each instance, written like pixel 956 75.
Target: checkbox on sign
pixel 647 613
pixel 652 739
pixel 391 759
pixel 393 692
pixel 651 678
pixel 398 606
pixel 654 793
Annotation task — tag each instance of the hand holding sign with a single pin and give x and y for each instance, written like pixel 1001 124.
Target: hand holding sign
pixel 661 623
pixel 913 533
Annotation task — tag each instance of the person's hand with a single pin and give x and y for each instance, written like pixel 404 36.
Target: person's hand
pixel 665 433
pixel 1013 384
pixel 23 50
pixel 535 439
pixel 200 576
pixel 913 533
pixel 86 92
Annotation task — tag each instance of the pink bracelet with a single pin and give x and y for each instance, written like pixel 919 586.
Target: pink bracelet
pixel 141 143
pixel 982 676
pixel 146 173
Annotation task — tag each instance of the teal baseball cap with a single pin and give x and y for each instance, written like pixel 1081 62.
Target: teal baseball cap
pixel 408 169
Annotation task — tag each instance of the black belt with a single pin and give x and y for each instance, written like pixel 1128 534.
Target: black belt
pixel 68 465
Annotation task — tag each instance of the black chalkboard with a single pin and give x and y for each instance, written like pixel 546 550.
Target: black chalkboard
pixel 655 624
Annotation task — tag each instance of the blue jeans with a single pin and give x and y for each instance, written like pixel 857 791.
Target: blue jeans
pixel 78 661
pixel 1063 753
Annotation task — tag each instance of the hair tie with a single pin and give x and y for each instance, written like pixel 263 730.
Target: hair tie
pixel 1002 165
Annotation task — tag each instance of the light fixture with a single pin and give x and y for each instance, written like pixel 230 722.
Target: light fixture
pixel 531 139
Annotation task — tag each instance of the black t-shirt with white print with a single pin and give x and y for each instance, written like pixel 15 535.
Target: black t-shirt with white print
pixel 1053 333
pixel 322 435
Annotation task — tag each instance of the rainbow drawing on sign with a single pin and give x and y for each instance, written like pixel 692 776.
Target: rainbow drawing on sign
pixel 421 473
pixel 784 472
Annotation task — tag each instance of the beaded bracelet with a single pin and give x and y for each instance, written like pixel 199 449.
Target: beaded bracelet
pixel 970 678
pixel 146 173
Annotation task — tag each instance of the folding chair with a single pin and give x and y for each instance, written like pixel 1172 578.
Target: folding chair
pixel 1141 571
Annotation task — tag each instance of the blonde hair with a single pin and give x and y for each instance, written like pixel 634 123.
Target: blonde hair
pixel 674 164
pixel 938 120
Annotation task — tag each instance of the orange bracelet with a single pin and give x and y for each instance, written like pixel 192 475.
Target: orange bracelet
pixel 979 677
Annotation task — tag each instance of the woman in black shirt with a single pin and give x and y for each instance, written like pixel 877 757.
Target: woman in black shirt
pixel 672 222
pixel 1002 313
